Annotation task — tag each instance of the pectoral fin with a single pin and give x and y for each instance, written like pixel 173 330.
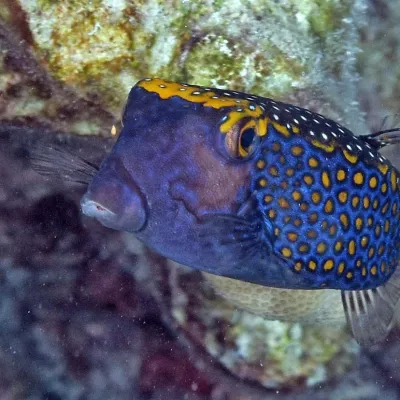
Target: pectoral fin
pixel 372 313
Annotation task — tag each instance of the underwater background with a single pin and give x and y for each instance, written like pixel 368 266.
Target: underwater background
pixel 89 313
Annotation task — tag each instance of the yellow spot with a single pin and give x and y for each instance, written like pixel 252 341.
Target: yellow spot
pixel 289 172
pixel 283 203
pixel 286 252
pixel 281 129
pixel 383 266
pixel 308 179
pixel 296 195
pixel 383 168
pixel 341 175
pixel 385 208
pixel 282 160
pixel 321 248
pixel 313 162
pixel 350 156
pixel 284 185
pixel 359 223
pixel 328 265
pixel 394 209
pixel 268 198
pixel 303 206
pixel 316 197
pixel 377 230
pixel 364 241
pixel 352 247
pixel 341 268
pixel 387 226
pixel 113 130
pixel 313 218
pixel 295 129
pixel 304 248
pixel 327 147
pixel 312 265
pixel 393 180
pixel 339 246
pixel 276 146
pixel 370 221
pixel 349 275
pixel 375 204
pixel 326 180
pixel 364 271
pixel 366 202
pixel 312 234
pixel 358 263
pixel 374 270
pixel 287 219
pixel 297 150
pixel 328 208
pixel 373 182
pixel 298 266
pixel 384 187
pixel 292 236
pixel 277 231
pixel 355 201
pixel 332 230
pixel 344 219
pixel 371 252
pixel 272 214
pixel 381 249
pixel 342 196
pixel 260 164
pixel 324 225
pixel 262 182
pixel 273 171
pixel 358 178
pixel 297 222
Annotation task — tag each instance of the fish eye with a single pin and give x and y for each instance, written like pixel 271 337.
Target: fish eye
pixel 242 140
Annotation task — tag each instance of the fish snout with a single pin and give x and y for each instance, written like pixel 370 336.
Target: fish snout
pixel 116 205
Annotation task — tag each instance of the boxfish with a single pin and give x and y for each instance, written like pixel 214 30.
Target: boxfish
pixel 256 190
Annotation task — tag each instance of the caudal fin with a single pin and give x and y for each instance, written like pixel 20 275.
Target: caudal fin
pixel 372 313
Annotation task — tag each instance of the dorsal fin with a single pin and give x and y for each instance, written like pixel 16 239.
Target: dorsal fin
pixel 372 313
pixel 382 138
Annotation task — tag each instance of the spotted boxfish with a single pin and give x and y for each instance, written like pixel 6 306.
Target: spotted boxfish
pixel 249 188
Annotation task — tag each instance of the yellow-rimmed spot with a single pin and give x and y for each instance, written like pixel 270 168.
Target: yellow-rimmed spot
pixel 273 171
pixel 342 196
pixel 325 179
pixel 282 129
pixel 283 203
pixel 327 147
pixel 262 182
pixel 321 248
pixel 352 247
pixel 298 266
pixel 308 179
pixel 297 150
pixel 364 241
pixel 272 213
pixel 289 172
pixel 338 246
pixel 349 275
pixel 304 248
pixel 355 201
pixel 316 197
pixel 312 234
pixel 292 236
pixel 353 158
pixel 341 267
pixel 329 264
pixel 358 178
pixel 286 252
pixel 341 175
pixel 359 223
pixel 344 219
pixel 313 162
pixel 261 164
pixel 366 202
pixel 329 206
pixel 312 265
pixel 373 182
pixel 268 198
pixel 374 270
pixel 296 195
pixel 383 168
